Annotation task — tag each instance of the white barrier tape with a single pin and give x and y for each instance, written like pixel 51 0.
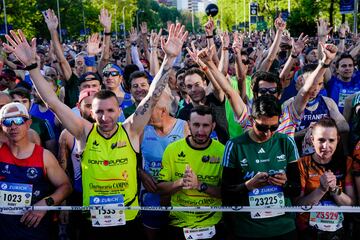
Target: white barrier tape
pixel 294 209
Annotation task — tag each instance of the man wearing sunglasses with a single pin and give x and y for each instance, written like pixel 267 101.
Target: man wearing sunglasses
pixel 254 174
pixel 109 149
pixel 29 173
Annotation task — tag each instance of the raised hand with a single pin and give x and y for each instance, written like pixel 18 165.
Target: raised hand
pixel 344 28
pixel 193 52
pixel 209 27
pixel 143 28
pixel 206 55
pixel 323 28
pixel 133 35
pixel 154 38
pixel 51 19
pixel 93 44
pixel 329 51
pixel 19 46
pixel 238 42
pixel 225 39
pixel 172 47
pixel 299 45
pixel 280 24
pixel 105 19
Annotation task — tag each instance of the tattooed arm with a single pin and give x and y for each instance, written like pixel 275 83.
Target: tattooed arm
pixel 134 125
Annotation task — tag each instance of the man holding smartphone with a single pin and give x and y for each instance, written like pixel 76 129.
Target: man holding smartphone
pixel 254 174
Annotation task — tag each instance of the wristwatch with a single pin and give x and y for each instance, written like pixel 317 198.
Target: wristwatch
pixel 203 187
pixel 49 201
pixel 324 65
pixel 336 191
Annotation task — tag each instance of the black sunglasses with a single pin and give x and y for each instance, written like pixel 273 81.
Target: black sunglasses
pixel 113 73
pixel 264 91
pixel 265 128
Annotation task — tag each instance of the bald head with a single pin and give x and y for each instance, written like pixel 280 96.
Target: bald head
pixel 4 99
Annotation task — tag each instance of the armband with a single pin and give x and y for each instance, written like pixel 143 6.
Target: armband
pixel 107 34
pixel 31 67
pixel 210 36
pixel 324 65
pixel 89 61
pixel 341 38
pixel 294 56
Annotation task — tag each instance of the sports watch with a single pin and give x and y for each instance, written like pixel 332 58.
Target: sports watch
pixel 203 187
pixel 49 201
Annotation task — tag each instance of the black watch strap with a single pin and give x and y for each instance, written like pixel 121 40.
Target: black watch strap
pixel 49 201
pixel 324 65
pixel 203 187
pixel 31 67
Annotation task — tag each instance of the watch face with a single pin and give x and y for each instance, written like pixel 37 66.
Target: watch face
pixel 203 187
pixel 49 201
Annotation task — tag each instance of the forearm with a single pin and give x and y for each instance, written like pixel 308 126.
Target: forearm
pixel 61 193
pixel 343 199
pixel 169 188
pixel 311 199
pixel 128 56
pixel 105 54
pixel 266 64
pixel 135 58
pixel 286 70
pixel 341 46
pixel 65 67
pixel 154 62
pixel 213 191
pixel 218 92
pixel 241 76
pixel 224 62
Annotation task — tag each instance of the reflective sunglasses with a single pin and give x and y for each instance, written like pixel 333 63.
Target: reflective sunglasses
pixel 113 73
pixel 265 128
pixel 7 122
pixel 264 91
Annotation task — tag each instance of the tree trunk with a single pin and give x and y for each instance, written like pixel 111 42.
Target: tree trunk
pixel 331 13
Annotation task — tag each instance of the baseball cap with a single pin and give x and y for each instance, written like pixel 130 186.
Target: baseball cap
pixel 84 79
pixel 86 93
pixel 14 109
pixel 308 50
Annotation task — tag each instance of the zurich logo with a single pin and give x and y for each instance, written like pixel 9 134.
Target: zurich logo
pixel 96 200
pixel 4 186
pixel 256 191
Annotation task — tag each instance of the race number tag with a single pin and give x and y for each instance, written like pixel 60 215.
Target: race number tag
pixel 15 195
pixel 326 221
pixel 107 217
pixel 268 196
pixel 199 233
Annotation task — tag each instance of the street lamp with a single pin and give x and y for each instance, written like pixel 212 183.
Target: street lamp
pixel 123 15
pixel 116 32
pixel 5 18
pixel 137 18
pixel 58 11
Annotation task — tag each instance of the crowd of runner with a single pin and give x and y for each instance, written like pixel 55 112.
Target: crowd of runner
pixel 168 118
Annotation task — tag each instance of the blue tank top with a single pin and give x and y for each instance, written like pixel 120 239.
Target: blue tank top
pixel 313 116
pixel 75 160
pixel 48 115
pixel 127 102
pixel 152 149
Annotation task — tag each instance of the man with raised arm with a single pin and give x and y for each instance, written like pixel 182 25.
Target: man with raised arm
pixel 109 166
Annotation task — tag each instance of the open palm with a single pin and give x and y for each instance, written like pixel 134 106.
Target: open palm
pixel 172 47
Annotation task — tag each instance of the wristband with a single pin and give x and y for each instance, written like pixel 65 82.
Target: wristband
pixel 205 68
pixel 55 61
pixel 324 65
pixel 107 34
pixel 134 44
pixel 342 38
pixel 89 61
pixel 31 67
pixel 294 56
pixel 225 48
pixel 210 36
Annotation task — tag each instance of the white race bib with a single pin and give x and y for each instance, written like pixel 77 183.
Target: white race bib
pixel 268 196
pixel 107 217
pixel 15 195
pixel 199 233
pixel 326 221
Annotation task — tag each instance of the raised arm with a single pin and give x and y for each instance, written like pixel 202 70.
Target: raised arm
pixel 240 67
pixel 93 48
pixel 105 21
pixel 172 47
pixel 27 55
pixel 302 97
pixel 52 24
pixel 280 26
pixel 343 29
pixel 154 43
pixel 143 39
pixel 224 58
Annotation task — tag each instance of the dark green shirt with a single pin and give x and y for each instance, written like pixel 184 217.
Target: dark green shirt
pixel 72 91
pixel 129 110
pixel 43 128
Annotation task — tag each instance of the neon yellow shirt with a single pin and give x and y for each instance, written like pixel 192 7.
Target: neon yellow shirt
pixel 206 164
pixel 109 167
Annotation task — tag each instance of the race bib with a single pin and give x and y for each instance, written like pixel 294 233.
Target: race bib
pixel 199 233
pixel 15 195
pixel 342 96
pixel 268 196
pixel 107 217
pixel 326 221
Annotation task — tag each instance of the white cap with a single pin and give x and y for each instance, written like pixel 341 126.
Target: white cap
pixel 14 109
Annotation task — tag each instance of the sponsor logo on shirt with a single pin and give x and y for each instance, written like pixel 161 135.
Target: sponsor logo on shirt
pixel 31 173
pixel 181 154
pixel 244 163
pixel 249 175
pixel 6 169
pixel 116 162
pixel 119 144
pixel 261 150
pixel 262 160
pixel 210 159
pixel 281 158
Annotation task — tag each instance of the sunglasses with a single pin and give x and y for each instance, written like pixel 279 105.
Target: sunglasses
pixel 113 73
pixel 265 128
pixel 264 91
pixel 7 122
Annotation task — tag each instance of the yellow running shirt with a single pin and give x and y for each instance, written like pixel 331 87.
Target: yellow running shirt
pixel 206 164
pixel 109 167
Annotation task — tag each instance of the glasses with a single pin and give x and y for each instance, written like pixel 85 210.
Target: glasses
pixel 7 122
pixel 113 73
pixel 245 62
pixel 265 128
pixel 51 75
pixel 264 91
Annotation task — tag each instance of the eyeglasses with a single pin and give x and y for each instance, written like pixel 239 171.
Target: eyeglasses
pixel 264 91
pixel 265 128
pixel 245 62
pixel 51 75
pixel 7 122
pixel 113 73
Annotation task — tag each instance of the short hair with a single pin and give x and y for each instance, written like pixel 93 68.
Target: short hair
pixel 138 74
pixel 20 91
pixel 266 106
pixel 267 77
pixel 203 110
pixel 197 71
pixel 326 122
pixel 105 94
pixel 179 72
pixel 343 56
